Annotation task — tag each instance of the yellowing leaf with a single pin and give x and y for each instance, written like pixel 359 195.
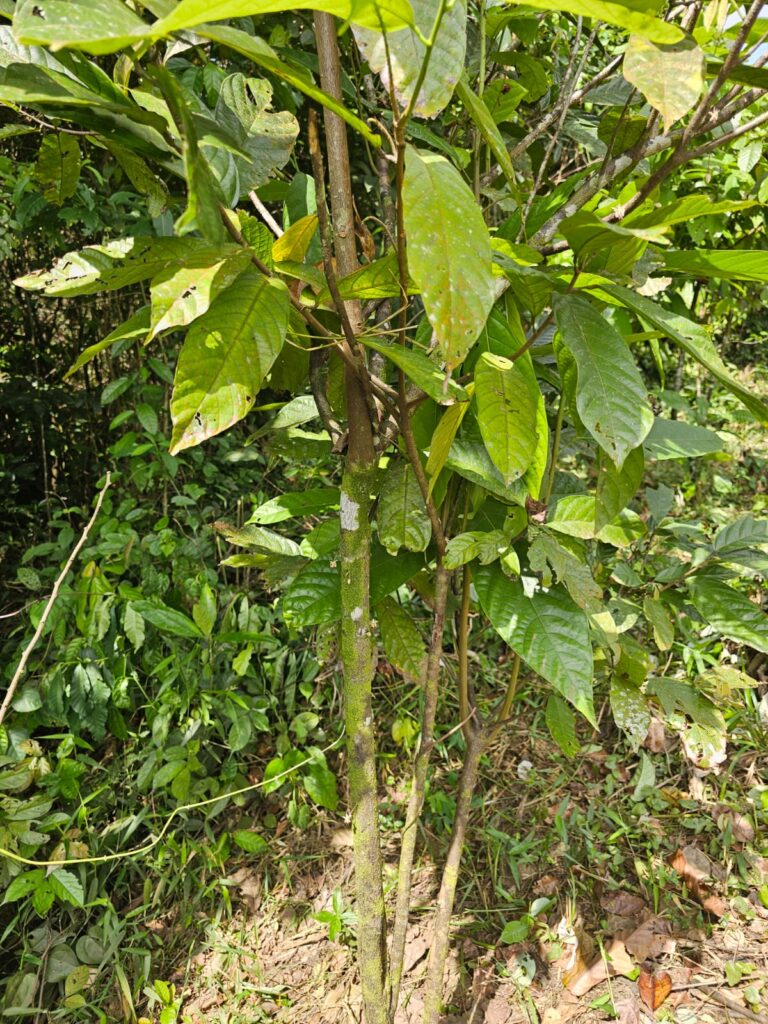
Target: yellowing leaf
pixel 294 242
pixel 670 77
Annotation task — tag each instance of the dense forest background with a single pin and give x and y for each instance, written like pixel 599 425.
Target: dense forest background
pixel 615 859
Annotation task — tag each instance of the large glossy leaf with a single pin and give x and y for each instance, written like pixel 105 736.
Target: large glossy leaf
pixel 547 630
pixel 730 612
pixel 103 268
pixel 180 294
pixel 636 17
pixel 744 532
pixel 314 596
pixel 264 56
pixel 296 503
pixel 58 167
pixel 726 264
pixel 670 77
pixel 449 252
pixel 191 13
pixel 675 439
pixel 402 642
pixel 610 395
pixel 225 357
pixel 692 338
pixel 99 26
pixel 422 370
pixel 616 487
pixel 506 413
pixel 402 515
pixel 403 52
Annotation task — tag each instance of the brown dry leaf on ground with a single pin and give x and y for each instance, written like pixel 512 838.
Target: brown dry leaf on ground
pixel 615 960
pixel 654 987
pixel 650 939
pixel 740 826
pixel 693 866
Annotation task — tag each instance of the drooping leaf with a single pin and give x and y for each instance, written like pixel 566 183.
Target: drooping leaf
pixel 135 326
pixel 402 515
pixel 419 368
pixel 671 77
pixel 634 17
pixel 142 177
pixel 98 26
pixel 617 487
pixel 442 440
pixel 676 439
pixel 401 639
pixel 449 252
pixel 547 630
pixel 561 723
pixel 569 569
pixel 296 503
pixel 191 13
pixel 89 697
pixel 610 395
pixel 181 294
pixel 320 784
pixel 259 539
pixel 729 611
pixel 469 458
pixel 575 515
pixel 725 264
pixel 58 167
pixel 403 52
pixel 506 413
pixel 692 338
pixel 483 118
pixel 225 357
pixel 117 264
pixel 167 620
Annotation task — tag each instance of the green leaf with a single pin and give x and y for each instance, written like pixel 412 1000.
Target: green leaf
pixel 725 264
pixel 143 179
pixel 506 414
pixel 449 252
pixel 403 644
pixel 239 733
pixel 675 439
pixel 180 294
pixel 388 572
pixel 112 266
pixel 547 630
pixel 634 17
pixel 191 13
pixel 135 326
pixel 402 515
pixel 692 338
pixel 681 211
pixel 320 784
pixel 630 710
pixel 23 884
pixel 671 77
pixel 377 280
pixel 204 611
pixel 225 357
pixel 242 110
pixel 617 487
pixel 133 624
pixel 58 167
pixel 483 119
pixel 610 393
pixel 744 532
pixel 515 932
pixel 485 547
pixel 251 842
pixel 89 697
pixel 66 886
pixel 729 612
pixel 256 537
pixel 403 53
pixel 313 597
pixel 442 440
pixel 677 697
pixel 98 26
pixel 468 457
pixel 420 369
pixel 661 623
pixel 167 620
pixel 295 241
pixel 569 569
pixel 296 503
pixel 561 723
pixel 256 50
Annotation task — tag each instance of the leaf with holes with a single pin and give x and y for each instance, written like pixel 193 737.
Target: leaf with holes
pixel 547 630
pixel 58 167
pixel 225 357
pixel 506 413
pixel 449 252
pixel 402 515
pixel 670 77
pixel 611 397
pixel 403 52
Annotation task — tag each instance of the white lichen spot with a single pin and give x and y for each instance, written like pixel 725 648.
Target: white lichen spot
pixel 349 510
pixel 356 614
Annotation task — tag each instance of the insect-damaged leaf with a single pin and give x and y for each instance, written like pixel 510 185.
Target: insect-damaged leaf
pixel 226 355
pixel 449 252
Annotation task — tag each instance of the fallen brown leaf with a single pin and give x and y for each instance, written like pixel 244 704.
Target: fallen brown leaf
pixel 654 988
pixel 740 826
pixel 622 904
pixel 616 960
pixel 657 740
pixel 693 866
pixel 650 939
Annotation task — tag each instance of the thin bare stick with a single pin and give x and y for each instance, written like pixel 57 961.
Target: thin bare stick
pixel 26 653
pixel 266 216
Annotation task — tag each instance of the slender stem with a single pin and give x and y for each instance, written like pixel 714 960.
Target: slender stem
pixel 555 451
pixel 509 697
pixel 418 789
pixel 26 653
pixel 447 894
pixel 462 638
